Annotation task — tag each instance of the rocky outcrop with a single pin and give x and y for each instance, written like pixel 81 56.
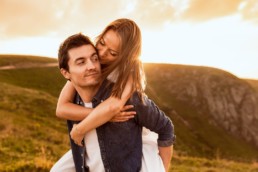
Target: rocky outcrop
pixel 231 101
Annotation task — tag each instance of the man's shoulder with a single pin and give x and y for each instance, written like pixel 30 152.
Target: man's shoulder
pixel 137 99
pixel 104 90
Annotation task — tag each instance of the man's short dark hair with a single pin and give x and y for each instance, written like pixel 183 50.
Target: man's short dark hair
pixel 73 41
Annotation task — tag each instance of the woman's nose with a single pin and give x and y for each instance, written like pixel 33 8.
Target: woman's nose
pixel 103 52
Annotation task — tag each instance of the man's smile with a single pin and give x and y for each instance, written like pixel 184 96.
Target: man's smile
pixel 92 74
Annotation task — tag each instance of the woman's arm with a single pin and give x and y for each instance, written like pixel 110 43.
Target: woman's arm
pixel 103 113
pixel 66 109
pixel 166 155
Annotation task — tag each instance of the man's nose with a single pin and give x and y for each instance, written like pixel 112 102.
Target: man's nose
pixel 90 65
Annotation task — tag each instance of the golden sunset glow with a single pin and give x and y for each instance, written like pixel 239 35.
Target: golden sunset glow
pixel 216 33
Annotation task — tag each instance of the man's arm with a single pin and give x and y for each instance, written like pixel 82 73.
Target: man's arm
pixel 150 116
pixel 166 155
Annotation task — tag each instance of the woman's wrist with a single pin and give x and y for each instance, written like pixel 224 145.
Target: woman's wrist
pixel 79 129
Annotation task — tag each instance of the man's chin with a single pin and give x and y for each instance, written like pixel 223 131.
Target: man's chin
pixel 92 84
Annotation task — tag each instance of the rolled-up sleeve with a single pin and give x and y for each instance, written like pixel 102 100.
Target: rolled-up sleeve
pixel 151 117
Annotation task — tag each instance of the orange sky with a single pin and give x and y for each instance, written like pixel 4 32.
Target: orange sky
pixel 217 33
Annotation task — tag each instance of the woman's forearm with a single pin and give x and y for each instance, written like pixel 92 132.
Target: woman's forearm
pixel 66 109
pixel 106 110
pixel 103 113
pixel 166 155
pixel 71 111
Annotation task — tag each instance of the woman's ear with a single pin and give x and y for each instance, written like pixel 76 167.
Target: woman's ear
pixel 65 73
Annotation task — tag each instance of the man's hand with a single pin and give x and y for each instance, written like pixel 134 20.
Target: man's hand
pixel 124 115
pixel 76 135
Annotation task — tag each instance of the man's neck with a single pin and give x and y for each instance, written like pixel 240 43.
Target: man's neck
pixel 87 93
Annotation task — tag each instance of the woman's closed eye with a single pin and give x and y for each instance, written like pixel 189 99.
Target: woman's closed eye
pixel 113 53
pixel 102 41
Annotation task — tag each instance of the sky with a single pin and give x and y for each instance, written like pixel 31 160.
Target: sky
pixel 215 33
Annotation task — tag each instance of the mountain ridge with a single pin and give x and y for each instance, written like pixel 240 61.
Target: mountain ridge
pixel 215 92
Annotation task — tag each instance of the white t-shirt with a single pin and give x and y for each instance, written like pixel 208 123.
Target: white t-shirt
pixel 93 156
pixel 113 76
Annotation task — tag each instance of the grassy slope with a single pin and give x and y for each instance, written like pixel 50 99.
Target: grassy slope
pixel 30 133
pixel 32 138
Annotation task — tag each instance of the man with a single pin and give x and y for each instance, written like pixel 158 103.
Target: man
pixel 118 146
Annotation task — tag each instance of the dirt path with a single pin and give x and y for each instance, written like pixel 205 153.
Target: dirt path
pixel 29 65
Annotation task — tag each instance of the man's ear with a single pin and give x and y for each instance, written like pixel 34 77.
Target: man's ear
pixel 65 73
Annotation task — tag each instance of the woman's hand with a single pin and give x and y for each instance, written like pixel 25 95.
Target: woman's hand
pixel 124 115
pixel 76 135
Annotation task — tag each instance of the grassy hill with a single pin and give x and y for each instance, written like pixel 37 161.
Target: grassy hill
pixel 32 138
pixel 21 60
pixel 198 134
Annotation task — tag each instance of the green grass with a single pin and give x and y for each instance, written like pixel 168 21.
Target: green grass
pixel 194 164
pixel 31 137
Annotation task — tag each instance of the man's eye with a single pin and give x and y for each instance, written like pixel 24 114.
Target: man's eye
pixel 80 62
pixel 95 58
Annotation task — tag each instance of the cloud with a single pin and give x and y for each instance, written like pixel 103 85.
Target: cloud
pixel 27 18
pixel 202 10
pixel 87 15
pixel 34 17
pixel 249 10
pixel 152 13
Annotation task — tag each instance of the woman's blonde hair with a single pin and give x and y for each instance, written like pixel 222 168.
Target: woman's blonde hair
pixel 128 61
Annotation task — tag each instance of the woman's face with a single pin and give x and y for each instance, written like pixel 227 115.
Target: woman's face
pixel 108 47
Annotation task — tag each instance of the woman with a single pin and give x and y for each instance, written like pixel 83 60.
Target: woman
pixel 119 47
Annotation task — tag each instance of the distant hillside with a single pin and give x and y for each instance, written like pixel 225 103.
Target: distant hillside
pixel 213 110
pixel 253 83
pixel 21 60
pixel 214 114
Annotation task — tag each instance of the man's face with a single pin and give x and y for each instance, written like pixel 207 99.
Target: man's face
pixel 84 66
